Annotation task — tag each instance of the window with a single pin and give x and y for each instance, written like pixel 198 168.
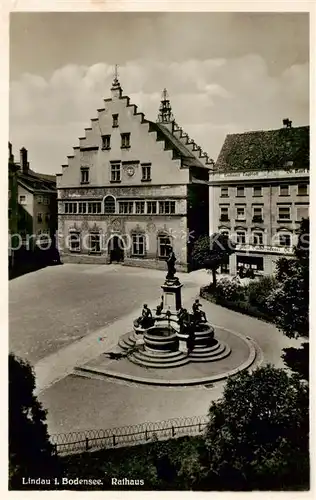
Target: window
pixel 115 172
pixel 224 192
pixel 74 241
pixel 125 140
pixel 240 213
pixel 39 199
pixel 225 233
pixel 224 214
pixel 163 243
pixel 285 240
pixel 47 217
pixel 39 217
pixel 302 190
pixel 302 213
pixel 106 141
pixel 138 244
pixel 284 190
pixel 240 191
pixel 94 207
pixel 82 207
pixel 257 214
pixel 241 237
pixel 109 205
pixel 22 199
pixel 115 121
pixel 257 238
pixel 45 200
pixel 284 213
pixel 167 207
pixel 257 191
pixel 146 172
pixel 84 176
pixel 151 207
pixel 255 263
pixel 70 208
pixel 126 207
pixel 140 207
pixel 95 246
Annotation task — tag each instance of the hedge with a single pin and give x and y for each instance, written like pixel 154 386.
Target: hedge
pixel 242 307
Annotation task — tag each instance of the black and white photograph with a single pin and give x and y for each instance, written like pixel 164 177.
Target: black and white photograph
pixel 158 257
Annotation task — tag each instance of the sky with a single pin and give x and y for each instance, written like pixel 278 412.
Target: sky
pixel 224 72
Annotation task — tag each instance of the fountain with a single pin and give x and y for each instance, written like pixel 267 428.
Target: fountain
pixel 171 336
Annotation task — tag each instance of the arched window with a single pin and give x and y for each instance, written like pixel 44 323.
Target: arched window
pixel 257 237
pixel 164 241
pixel 138 244
pixel 109 205
pixel 285 239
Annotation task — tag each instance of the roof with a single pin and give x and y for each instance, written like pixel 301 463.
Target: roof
pixel 187 157
pixel 274 149
pixel 34 181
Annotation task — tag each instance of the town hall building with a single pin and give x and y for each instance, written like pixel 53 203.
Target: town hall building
pixel 132 188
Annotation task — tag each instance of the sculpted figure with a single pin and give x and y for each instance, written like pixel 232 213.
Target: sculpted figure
pixel 146 319
pixel 159 308
pixel 198 316
pixel 171 260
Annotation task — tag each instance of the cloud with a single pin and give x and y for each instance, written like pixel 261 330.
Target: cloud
pixel 210 98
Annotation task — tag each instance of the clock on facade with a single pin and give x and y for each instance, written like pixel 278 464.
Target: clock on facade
pixel 130 171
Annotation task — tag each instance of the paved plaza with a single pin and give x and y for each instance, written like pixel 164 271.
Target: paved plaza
pixel 65 316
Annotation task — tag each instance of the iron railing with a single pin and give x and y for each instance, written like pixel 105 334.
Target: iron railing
pixel 91 440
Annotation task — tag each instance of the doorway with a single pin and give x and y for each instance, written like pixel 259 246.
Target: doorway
pixel 116 249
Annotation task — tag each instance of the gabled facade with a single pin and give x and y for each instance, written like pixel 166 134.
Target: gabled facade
pixel 260 193
pixel 132 187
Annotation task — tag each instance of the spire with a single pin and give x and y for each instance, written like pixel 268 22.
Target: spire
pixel 165 112
pixel 116 88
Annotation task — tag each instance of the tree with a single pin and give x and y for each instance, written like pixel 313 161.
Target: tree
pixel 257 436
pixel 30 451
pixel 210 252
pixel 289 302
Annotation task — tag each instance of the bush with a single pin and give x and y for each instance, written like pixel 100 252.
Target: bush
pixel 241 306
pixel 258 432
pixel 258 292
pixel 230 290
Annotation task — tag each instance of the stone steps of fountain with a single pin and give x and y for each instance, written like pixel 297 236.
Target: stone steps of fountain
pixel 157 355
pixel 168 360
pixel 214 349
pixel 203 357
pixel 126 343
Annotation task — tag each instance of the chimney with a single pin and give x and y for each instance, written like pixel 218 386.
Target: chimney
pixel 23 160
pixel 11 157
pixel 287 123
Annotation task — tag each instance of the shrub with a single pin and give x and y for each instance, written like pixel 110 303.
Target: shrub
pixel 230 290
pixel 258 432
pixel 258 292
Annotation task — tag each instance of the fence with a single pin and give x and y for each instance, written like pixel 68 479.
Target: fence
pixel 91 440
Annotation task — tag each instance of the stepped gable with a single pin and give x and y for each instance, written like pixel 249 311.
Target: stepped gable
pixel 174 144
pixel 276 149
pixel 166 129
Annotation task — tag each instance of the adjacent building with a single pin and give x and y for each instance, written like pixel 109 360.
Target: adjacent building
pixel 32 209
pixel 260 193
pixel 131 188
pixel 12 202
